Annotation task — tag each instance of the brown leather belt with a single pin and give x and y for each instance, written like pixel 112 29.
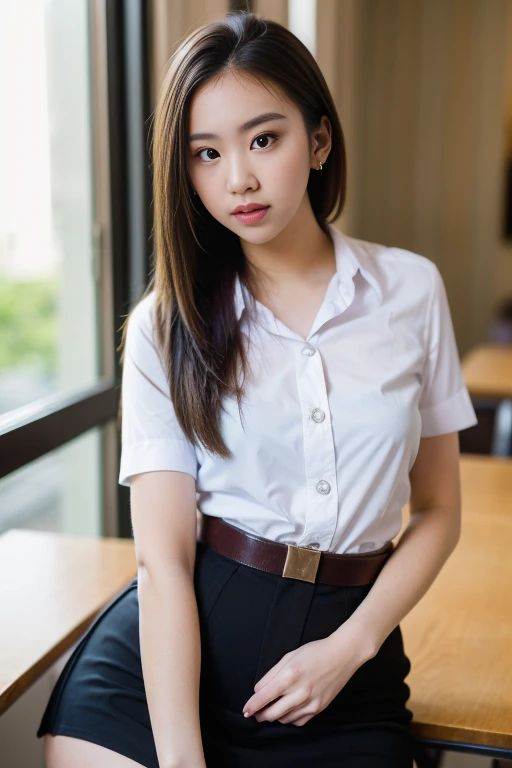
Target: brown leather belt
pixel 291 561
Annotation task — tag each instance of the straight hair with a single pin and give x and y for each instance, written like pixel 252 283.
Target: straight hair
pixel 196 259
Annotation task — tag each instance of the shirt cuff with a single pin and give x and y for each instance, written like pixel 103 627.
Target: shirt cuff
pixel 155 455
pixel 451 415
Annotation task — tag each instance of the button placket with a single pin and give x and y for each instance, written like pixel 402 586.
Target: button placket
pixel 321 497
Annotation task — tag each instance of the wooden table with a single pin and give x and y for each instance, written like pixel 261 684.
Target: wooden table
pixel 51 587
pixel 459 636
pixel 488 371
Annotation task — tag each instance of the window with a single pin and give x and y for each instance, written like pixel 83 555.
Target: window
pixel 48 264
pixel 63 251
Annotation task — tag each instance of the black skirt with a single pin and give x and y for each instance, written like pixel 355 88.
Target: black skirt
pixel 249 619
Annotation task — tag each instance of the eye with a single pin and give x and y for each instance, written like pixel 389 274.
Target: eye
pixel 207 149
pixel 265 136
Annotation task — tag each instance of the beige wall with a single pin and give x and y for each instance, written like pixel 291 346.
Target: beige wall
pixel 421 92
pixel 503 273
pixel 171 20
pixel 273 9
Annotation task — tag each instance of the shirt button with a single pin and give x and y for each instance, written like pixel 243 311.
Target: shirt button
pixel 313 545
pixel 317 415
pixel 308 350
pixel 323 487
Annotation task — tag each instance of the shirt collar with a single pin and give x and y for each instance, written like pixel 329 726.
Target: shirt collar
pixel 351 256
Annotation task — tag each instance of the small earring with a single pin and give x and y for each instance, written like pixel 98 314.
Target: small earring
pixel 195 193
pixel 320 165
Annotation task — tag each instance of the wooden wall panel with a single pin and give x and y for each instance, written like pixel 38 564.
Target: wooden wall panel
pixel 273 9
pixel 171 20
pixel 426 162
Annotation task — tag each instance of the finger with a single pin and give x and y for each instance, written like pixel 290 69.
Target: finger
pixel 269 692
pixel 272 672
pixel 266 696
pixel 296 717
pixel 303 720
pixel 286 705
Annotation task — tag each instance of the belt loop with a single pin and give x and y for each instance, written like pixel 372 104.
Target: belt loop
pixel 301 563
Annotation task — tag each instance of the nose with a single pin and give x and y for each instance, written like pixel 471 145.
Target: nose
pixel 240 175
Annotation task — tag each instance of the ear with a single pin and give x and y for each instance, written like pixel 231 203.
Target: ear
pixel 322 141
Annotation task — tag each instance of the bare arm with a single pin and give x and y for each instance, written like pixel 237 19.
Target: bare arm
pixel 163 507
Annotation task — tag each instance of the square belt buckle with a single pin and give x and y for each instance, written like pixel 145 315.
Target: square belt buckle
pixel 301 563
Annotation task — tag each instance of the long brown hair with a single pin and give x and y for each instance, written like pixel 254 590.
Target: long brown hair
pixel 196 258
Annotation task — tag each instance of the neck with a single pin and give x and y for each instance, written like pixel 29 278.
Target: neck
pixel 302 252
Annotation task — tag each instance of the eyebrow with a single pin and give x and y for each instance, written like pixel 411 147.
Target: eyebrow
pixel 252 123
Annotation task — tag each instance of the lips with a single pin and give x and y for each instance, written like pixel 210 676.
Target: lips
pixel 248 209
pixel 254 216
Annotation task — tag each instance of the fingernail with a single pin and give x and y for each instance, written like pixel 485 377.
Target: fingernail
pixel 246 714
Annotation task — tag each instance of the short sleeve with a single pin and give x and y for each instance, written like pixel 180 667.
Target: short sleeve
pixel 444 403
pixel 151 437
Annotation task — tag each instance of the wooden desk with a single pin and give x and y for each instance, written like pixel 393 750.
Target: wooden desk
pixel 51 588
pixel 488 371
pixel 459 636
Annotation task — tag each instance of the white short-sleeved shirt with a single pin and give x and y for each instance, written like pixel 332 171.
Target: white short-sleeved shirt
pixel 330 425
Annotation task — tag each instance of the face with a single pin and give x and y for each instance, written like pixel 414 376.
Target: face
pixel 265 162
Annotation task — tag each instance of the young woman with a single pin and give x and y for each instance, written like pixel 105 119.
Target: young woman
pixel 295 386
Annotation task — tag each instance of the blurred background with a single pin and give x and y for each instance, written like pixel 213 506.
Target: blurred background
pixel 424 93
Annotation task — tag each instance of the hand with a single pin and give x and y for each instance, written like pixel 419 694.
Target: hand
pixel 307 679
